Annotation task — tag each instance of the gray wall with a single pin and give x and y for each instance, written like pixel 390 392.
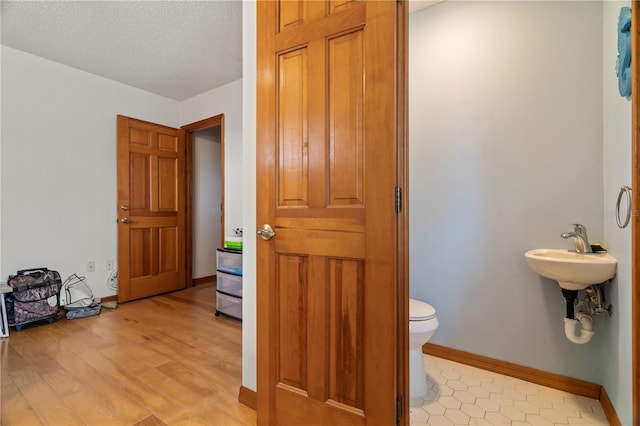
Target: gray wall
pixel 616 346
pixel 505 118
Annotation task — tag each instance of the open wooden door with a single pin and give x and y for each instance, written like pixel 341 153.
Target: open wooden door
pixel 151 206
pixel 328 324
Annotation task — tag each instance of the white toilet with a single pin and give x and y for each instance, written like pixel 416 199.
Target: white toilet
pixel 423 324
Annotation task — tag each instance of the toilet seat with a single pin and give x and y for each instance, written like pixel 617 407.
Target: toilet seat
pixel 420 311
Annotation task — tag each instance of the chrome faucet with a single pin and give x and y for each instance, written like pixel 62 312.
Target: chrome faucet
pixel 580 238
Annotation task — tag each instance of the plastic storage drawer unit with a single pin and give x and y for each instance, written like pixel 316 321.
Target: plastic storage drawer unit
pixel 228 305
pixel 230 261
pixel 230 284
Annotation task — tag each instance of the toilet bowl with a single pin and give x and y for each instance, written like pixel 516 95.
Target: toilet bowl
pixel 423 324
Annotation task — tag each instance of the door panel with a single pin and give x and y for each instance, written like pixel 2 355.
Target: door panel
pixel 345 119
pixel 167 185
pixel 139 187
pixel 293 127
pixel 326 177
pixel 292 314
pixel 346 379
pixel 151 252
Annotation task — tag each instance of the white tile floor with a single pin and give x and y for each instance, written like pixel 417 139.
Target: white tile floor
pixel 463 395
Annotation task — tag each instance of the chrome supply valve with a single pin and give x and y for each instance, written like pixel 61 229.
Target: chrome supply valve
pixel 595 300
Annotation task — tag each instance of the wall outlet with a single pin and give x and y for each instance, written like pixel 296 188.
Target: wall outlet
pixel 108 265
pixel 91 266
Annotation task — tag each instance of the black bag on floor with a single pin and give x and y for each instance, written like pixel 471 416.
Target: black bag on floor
pixel 35 297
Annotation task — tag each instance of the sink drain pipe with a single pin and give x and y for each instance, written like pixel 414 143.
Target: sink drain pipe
pixel 572 320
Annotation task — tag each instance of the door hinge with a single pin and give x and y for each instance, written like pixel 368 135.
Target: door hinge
pixel 399 1
pixel 398 410
pixel 398 199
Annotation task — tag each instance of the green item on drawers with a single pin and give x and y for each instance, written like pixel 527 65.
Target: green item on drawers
pixel 236 245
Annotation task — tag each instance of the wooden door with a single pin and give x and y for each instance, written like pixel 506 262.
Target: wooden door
pixel 151 220
pixel 328 324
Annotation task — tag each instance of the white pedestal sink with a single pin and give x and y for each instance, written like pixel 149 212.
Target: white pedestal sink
pixel 573 271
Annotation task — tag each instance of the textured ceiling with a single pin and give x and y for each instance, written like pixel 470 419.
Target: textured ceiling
pixel 176 49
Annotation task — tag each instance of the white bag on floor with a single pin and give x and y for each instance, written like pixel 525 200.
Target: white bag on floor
pixel 75 293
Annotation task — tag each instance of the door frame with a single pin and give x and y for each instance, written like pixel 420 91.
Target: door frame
pixel 189 129
pixel 402 246
pixel 635 202
pixel 403 219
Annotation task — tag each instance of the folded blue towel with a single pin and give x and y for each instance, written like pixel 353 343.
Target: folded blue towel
pixel 623 65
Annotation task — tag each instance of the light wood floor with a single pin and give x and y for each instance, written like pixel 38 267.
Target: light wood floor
pixel 163 360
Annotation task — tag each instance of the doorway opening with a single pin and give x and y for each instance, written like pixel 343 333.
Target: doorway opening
pixel 204 158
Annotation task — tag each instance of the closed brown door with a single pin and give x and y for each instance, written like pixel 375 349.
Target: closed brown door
pixel 327 171
pixel 151 251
